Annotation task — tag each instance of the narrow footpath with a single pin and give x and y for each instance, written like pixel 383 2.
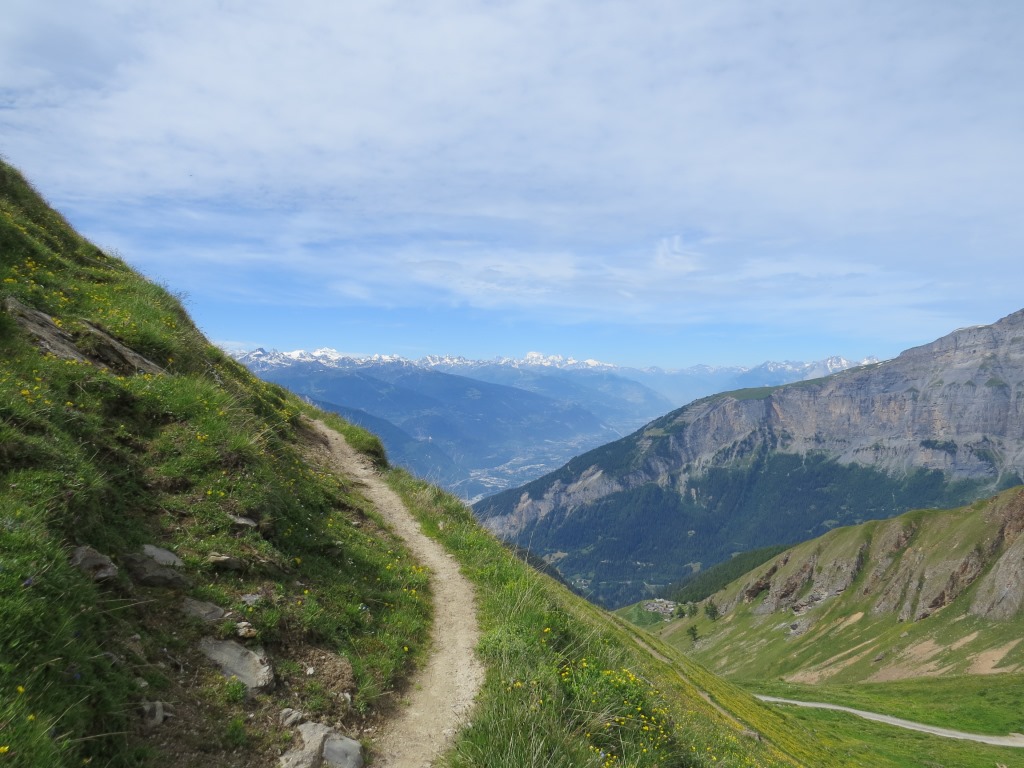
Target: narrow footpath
pixel 440 696
pixel 1013 740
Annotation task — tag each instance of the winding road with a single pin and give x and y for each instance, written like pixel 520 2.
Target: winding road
pixel 440 696
pixel 1013 740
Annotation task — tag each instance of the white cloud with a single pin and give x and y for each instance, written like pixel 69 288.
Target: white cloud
pixel 534 154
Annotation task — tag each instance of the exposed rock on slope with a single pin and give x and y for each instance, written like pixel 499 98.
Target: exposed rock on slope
pixel 947 412
pixel 929 579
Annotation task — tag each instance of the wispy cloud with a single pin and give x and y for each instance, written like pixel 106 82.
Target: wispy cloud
pixel 585 159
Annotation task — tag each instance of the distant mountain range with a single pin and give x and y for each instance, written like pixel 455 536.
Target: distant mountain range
pixel 477 427
pixel 934 427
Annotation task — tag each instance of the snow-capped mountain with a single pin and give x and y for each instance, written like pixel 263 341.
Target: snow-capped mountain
pixel 479 426
pixel 677 386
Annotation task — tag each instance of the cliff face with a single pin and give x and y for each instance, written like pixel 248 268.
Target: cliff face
pixel 955 407
pixel 909 567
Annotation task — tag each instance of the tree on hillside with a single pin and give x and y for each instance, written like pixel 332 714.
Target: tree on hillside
pixel 711 610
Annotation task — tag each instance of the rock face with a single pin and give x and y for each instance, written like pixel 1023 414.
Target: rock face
pixel 93 345
pixel 911 566
pixel 928 593
pixel 955 407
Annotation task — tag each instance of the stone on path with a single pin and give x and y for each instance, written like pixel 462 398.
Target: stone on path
pixel 162 556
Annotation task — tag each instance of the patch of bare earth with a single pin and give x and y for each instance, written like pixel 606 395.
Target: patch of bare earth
pixel 440 696
pixel 987 662
pixel 917 660
pixel 831 666
pixel 850 620
pixel 963 641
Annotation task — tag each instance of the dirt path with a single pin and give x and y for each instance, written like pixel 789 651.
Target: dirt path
pixel 1013 740
pixel 441 694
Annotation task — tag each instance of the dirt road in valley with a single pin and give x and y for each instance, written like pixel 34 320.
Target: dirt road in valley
pixel 441 695
pixel 1013 740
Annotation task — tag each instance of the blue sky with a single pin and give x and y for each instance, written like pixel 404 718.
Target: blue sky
pixel 660 182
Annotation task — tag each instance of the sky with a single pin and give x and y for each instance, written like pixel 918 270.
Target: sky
pixel 659 182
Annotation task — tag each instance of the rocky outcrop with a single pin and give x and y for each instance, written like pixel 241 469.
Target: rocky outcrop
pixel 910 566
pixel 91 345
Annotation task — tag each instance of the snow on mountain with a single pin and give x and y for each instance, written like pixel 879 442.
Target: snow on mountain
pixel 262 359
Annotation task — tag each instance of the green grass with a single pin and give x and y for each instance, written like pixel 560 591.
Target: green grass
pixel 636 614
pixel 990 704
pixel 116 459
pixel 570 685
pixel 865 743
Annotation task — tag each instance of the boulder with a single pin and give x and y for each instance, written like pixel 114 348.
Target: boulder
pixel 342 752
pixel 225 562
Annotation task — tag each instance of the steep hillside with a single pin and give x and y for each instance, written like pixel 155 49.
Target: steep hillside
pixel 185 576
pixel 938 425
pixel 161 513
pixel 929 593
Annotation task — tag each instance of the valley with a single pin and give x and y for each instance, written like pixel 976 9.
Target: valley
pixel 480 427
pixel 937 426
pixel 163 510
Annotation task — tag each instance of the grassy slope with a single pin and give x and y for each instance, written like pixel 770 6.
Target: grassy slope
pixel 568 681
pixel 114 460
pixel 758 651
pixel 845 637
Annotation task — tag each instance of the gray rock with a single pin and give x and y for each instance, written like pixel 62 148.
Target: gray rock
pixel 310 753
pixel 322 746
pixel 102 348
pixel 1001 593
pixel 93 564
pixel 251 600
pixel 225 562
pixel 242 522
pixel 203 610
pixel 342 752
pixel 148 572
pixel 155 714
pixel 252 667
pixel 162 556
pixel 290 717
